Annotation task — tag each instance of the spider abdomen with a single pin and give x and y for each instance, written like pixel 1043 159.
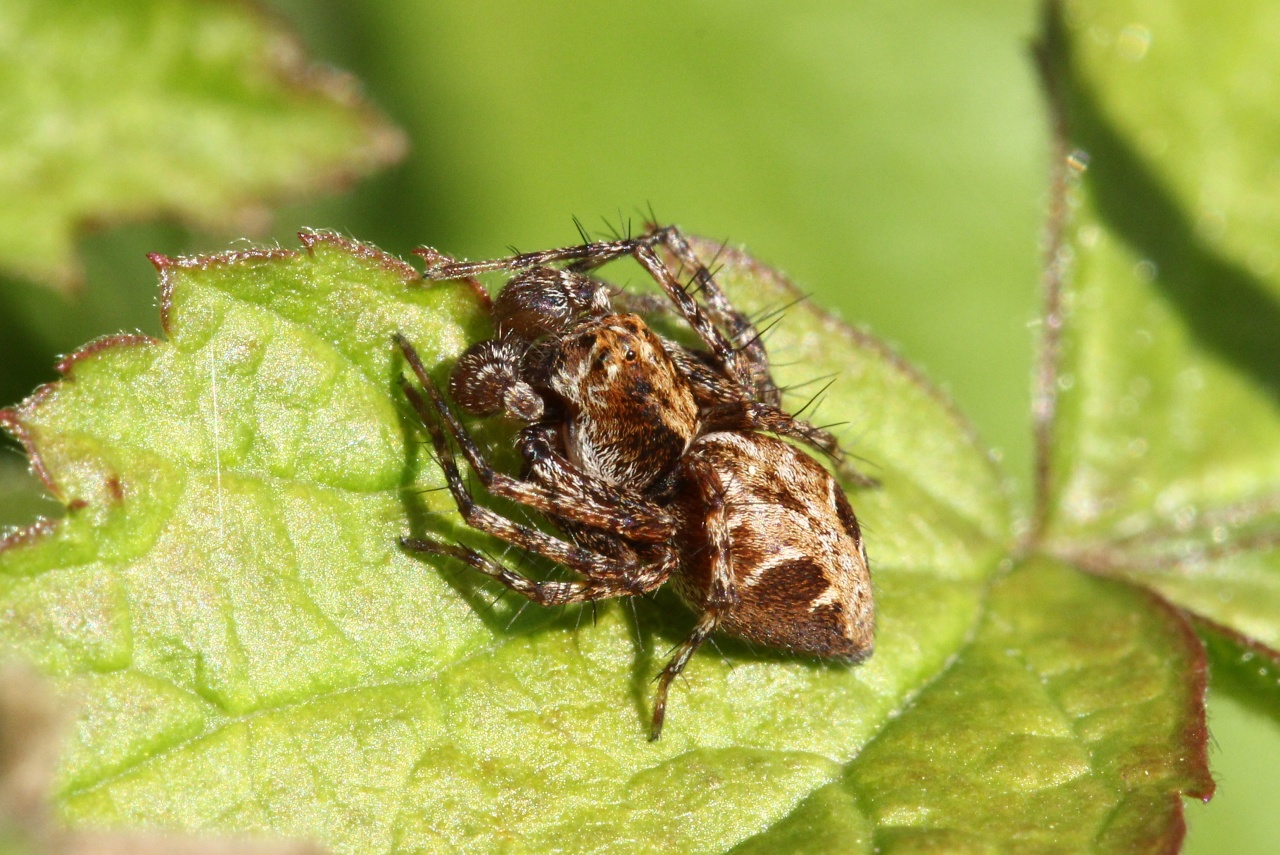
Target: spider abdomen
pixel 794 550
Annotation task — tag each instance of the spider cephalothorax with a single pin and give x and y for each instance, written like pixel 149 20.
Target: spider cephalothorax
pixel 657 461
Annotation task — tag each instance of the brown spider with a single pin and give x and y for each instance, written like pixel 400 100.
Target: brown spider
pixel 656 461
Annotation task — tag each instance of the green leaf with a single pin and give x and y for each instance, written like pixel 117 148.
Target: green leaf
pixel 235 494
pixel 198 109
pixel 1166 451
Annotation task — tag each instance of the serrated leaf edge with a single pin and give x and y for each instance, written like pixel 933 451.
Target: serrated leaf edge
pixel 13 418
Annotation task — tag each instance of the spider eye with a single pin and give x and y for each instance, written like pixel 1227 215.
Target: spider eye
pixel 630 355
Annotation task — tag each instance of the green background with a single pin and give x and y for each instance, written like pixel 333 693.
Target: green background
pixel 891 157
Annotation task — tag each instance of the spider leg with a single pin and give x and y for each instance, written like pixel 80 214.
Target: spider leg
pixel 726 406
pixel 760 409
pixel 745 336
pixel 736 363
pixel 585 256
pixel 706 625
pixel 432 257
pixel 628 570
pixel 544 593
pixel 581 561
pixel 561 492
pixel 622 512
pixel 722 594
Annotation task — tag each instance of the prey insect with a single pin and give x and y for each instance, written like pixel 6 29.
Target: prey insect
pixel 655 461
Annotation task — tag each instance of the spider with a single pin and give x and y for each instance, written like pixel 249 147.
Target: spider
pixel 655 461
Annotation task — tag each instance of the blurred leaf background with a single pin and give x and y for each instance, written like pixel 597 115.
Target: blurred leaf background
pixel 891 157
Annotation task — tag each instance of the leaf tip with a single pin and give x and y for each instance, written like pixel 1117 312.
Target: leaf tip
pixel 310 237
pixel 160 261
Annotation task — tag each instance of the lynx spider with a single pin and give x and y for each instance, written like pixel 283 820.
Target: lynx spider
pixel 655 461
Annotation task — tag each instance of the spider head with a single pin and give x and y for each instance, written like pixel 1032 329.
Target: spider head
pixel 609 359
pixel 633 412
